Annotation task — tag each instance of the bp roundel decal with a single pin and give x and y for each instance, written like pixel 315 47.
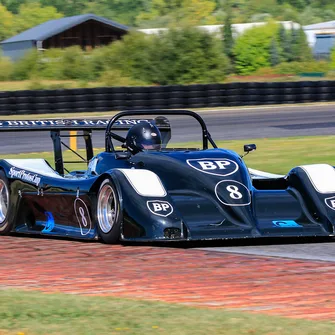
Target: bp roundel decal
pixel 232 193
pixel 160 207
pixel 330 202
pixel 215 166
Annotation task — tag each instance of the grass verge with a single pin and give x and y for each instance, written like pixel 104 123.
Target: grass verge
pixel 35 313
pixel 277 155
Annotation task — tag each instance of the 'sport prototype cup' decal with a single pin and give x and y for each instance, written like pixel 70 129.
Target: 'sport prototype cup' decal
pixel 215 166
pixel 160 208
pixel 330 202
pixel 83 216
pixel 24 175
pixel 232 193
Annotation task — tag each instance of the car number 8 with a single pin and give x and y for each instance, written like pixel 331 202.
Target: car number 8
pixel 234 192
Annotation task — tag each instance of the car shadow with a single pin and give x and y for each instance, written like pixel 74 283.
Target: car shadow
pixel 195 244
pixel 233 242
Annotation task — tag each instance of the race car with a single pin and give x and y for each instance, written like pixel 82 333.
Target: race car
pixel 158 193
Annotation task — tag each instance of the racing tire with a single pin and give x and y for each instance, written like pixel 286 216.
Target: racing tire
pixel 6 215
pixel 108 213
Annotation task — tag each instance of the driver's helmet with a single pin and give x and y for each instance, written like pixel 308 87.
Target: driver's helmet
pixel 143 136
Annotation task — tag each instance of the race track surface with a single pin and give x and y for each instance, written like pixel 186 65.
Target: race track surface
pixel 276 286
pixel 228 124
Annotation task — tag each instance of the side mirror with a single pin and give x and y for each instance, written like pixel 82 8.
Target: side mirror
pixel 249 147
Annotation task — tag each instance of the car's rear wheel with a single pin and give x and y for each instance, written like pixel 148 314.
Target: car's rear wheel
pixel 6 217
pixel 108 212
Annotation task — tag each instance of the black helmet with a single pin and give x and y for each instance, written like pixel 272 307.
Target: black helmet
pixel 143 136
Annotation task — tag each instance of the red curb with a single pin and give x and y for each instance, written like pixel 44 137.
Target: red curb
pixel 276 286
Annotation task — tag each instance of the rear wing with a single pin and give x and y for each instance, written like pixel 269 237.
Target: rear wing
pixel 75 124
pixel 58 126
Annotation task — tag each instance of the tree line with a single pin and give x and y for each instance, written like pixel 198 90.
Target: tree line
pixel 19 15
pixel 185 55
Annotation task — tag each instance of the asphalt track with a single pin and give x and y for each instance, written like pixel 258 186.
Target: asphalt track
pixel 229 124
pixel 249 123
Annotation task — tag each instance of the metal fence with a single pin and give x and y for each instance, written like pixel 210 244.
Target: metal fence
pixel 173 96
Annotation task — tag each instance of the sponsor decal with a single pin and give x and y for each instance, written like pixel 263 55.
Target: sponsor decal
pixel 286 224
pixel 232 193
pixel 50 224
pixel 83 216
pixel 330 202
pixel 160 208
pixel 214 166
pixel 23 175
pixel 60 123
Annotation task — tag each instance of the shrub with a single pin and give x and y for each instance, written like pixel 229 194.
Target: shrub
pixel 75 64
pixel 25 66
pixel 302 67
pixel 6 69
pixel 252 48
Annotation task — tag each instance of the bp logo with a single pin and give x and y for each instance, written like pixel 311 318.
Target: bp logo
pixel 214 166
pixel 159 207
pixel 330 202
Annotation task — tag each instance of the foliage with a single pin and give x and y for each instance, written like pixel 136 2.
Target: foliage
pixel 6 68
pixel 252 48
pixel 228 41
pixel 332 60
pixel 32 14
pixel 300 50
pixel 274 52
pixel 284 40
pixel 75 64
pixel 162 13
pixel 25 66
pixel 302 67
pixel 178 56
pixel 177 12
pixel 6 23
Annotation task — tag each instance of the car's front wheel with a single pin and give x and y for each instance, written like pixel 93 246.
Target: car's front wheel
pixel 6 217
pixel 108 212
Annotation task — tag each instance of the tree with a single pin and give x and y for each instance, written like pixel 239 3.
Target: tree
pixel 178 12
pixel 6 23
pixel 252 49
pixel 179 56
pixel 228 41
pixel 301 51
pixel 285 44
pixel 274 52
pixel 12 5
pixel 67 7
pixel 33 14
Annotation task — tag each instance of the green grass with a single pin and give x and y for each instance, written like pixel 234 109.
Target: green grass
pixel 34 313
pixel 277 155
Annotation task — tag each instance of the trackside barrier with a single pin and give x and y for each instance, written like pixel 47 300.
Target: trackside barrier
pixel 156 97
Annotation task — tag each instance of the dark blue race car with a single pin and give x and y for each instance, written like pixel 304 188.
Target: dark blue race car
pixel 159 193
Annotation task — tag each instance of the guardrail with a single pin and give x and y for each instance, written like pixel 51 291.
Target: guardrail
pixel 173 96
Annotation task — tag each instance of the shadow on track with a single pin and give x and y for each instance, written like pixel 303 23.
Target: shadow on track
pixel 197 244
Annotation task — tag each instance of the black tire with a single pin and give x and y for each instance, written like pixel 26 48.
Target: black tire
pixel 108 231
pixel 6 217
